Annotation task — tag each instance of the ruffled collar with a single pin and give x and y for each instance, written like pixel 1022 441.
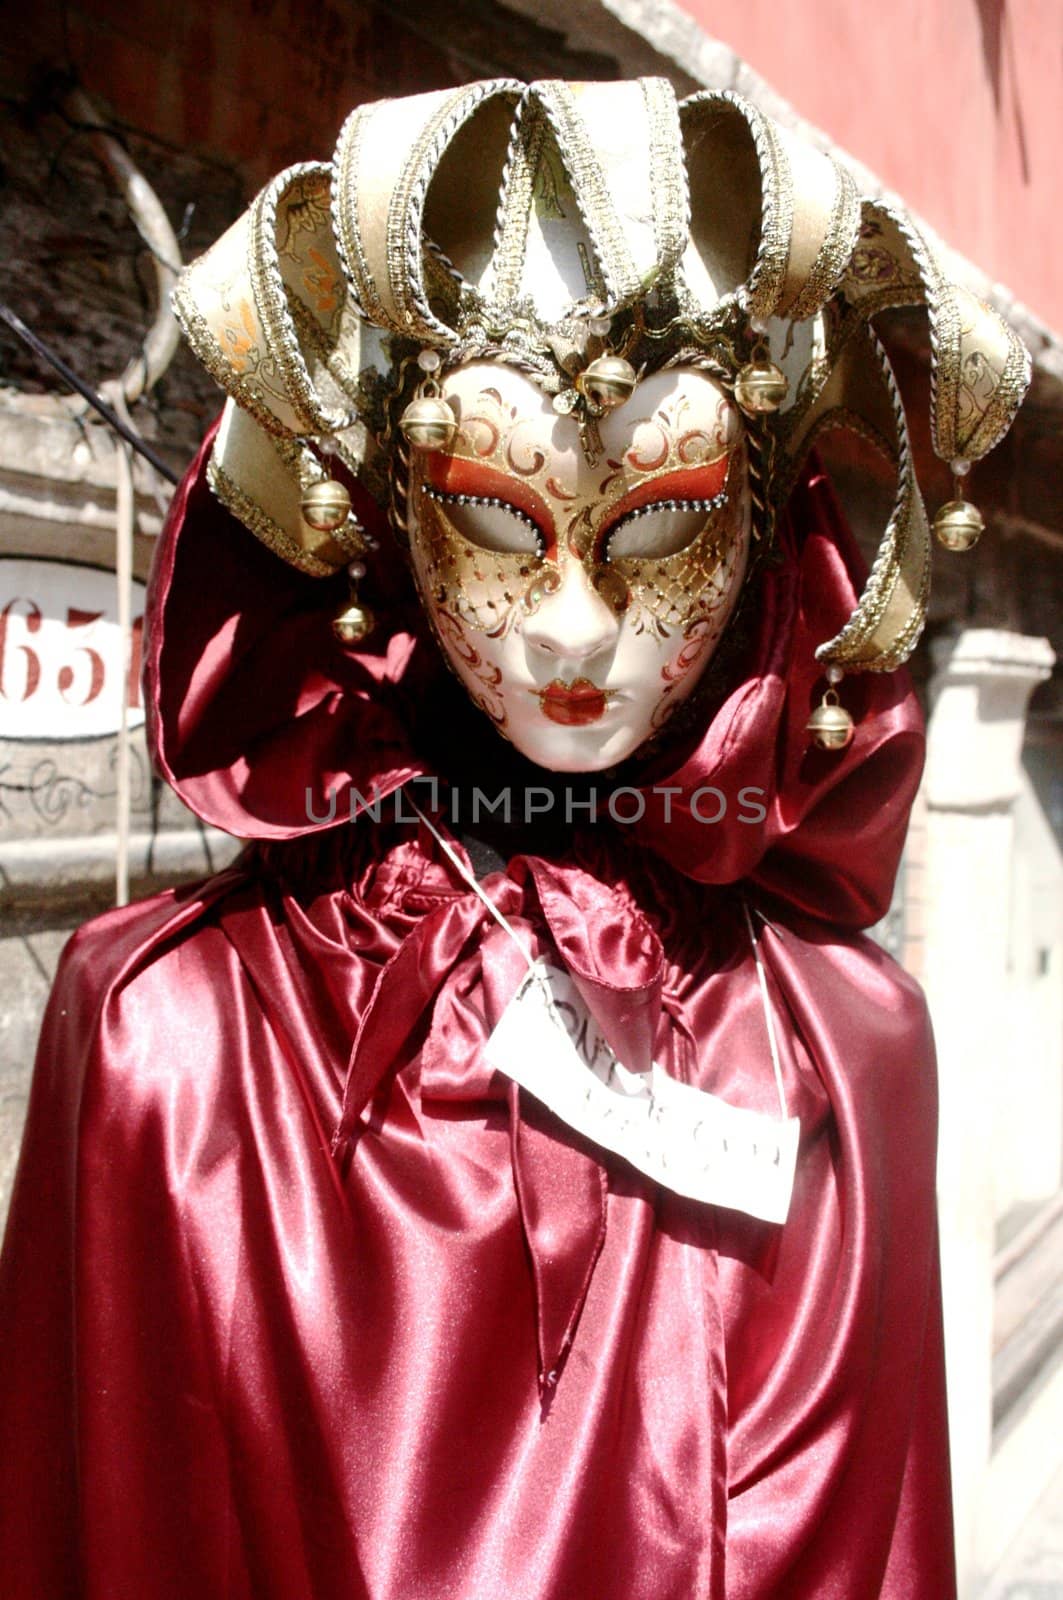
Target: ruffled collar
pixel 269 729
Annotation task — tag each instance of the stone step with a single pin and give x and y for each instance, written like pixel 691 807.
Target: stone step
pixel 1028 1317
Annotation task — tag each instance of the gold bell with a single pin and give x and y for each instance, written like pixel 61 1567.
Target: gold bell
pixel 830 725
pixel 428 423
pixel 958 525
pixel 353 623
pixel 325 505
pixel 607 382
pixel 760 387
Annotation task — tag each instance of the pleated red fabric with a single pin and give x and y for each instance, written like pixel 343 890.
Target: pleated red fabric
pixel 300 1299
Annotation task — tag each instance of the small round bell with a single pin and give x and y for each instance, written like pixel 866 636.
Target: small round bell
pixel 354 623
pixel 760 387
pixel 325 505
pixel 428 423
pixel 830 726
pixel 958 525
pixel 607 382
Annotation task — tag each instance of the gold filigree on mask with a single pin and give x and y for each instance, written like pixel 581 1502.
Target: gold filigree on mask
pixel 487 562
pixel 480 587
pixel 488 589
pixel 679 589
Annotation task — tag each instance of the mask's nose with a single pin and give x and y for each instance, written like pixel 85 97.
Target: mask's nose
pixel 573 625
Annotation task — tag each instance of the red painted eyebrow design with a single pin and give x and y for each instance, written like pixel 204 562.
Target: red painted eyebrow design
pixel 688 483
pixel 456 475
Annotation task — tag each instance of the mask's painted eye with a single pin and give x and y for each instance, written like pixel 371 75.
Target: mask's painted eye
pixel 491 523
pixel 657 530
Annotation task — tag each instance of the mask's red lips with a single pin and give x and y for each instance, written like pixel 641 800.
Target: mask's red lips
pixel 573 705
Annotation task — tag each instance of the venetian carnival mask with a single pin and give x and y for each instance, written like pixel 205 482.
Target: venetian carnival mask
pixel 577 340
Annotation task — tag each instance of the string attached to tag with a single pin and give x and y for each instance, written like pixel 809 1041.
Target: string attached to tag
pixel 683 1137
pixel 459 866
pixel 769 1019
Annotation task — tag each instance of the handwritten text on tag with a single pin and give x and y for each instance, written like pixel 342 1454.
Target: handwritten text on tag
pixel 686 1139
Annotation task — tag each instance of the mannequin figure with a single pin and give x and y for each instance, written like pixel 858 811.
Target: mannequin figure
pixel 515 1176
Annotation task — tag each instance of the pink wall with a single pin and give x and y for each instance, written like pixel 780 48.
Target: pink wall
pixel 956 104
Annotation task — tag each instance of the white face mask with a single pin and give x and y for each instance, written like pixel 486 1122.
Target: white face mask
pixel 581 604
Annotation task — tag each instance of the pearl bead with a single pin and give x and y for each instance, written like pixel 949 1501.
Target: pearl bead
pixel 678 505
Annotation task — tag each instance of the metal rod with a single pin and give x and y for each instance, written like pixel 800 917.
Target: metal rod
pixel 125 519
pixel 113 420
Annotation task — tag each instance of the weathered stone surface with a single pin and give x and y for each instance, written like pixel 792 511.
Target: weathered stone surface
pixel 78 274
pixel 27 962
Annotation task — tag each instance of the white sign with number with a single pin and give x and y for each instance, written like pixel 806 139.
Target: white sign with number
pixel 62 672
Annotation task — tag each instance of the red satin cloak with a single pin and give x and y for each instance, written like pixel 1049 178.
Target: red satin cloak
pixel 299 1300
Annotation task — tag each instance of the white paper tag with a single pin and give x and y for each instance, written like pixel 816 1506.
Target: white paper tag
pixel 686 1139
